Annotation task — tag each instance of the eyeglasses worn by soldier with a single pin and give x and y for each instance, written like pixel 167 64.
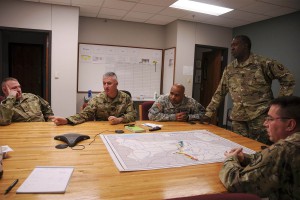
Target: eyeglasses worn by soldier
pixel 273 172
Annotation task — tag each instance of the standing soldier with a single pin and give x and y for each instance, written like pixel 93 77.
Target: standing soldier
pixel 248 79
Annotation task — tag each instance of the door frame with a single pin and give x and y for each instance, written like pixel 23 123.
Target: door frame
pixel 27 37
pixel 220 111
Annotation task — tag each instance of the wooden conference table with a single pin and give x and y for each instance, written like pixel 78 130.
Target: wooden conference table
pixel 95 175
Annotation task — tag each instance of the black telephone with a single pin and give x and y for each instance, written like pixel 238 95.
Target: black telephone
pixel 71 138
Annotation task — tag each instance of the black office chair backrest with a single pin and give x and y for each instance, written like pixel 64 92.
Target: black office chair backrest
pixel 127 92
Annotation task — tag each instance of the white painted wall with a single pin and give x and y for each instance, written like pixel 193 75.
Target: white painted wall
pixel 189 34
pixel 63 22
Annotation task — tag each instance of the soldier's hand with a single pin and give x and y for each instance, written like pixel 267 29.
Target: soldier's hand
pixel 58 120
pixel 115 120
pixel 238 152
pixel 205 119
pixel 11 92
pixel 182 116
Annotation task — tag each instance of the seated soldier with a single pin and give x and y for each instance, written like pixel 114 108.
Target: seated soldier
pixel 21 107
pixel 176 107
pixel 110 105
pixel 275 171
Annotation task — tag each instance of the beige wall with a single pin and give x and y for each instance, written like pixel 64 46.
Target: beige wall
pixel 114 32
pixel 62 21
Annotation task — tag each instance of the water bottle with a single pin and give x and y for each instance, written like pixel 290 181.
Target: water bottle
pixel 155 96
pixel 86 99
pixel 1 166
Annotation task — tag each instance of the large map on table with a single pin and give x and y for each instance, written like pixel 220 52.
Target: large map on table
pixel 132 152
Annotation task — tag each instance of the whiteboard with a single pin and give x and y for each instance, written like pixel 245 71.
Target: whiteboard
pixel 138 69
pixel 169 69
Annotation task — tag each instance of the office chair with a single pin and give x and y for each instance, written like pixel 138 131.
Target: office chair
pixel 127 92
pixel 225 196
pixel 144 108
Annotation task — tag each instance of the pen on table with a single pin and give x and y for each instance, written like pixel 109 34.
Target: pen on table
pixel 11 186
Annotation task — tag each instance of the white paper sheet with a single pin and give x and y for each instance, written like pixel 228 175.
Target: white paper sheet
pixel 47 179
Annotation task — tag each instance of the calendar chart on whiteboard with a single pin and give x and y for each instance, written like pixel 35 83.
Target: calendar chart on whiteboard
pixel 138 69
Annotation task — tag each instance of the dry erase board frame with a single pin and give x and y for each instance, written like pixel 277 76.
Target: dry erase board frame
pixel 138 69
pixel 169 69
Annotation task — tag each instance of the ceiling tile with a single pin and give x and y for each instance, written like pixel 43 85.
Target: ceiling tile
pixel 131 19
pixel 147 8
pixel 160 19
pixel 109 17
pixel 159 12
pixel 87 2
pixel 158 2
pixel 113 12
pixel 235 4
pixel 116 4
pixel 224 22
pixel 295 4
pixel 33 0
pixel 59 2
pixel 259 8
pixel 174 12
pixel 245 16
pixel 139 15
pixel 89 11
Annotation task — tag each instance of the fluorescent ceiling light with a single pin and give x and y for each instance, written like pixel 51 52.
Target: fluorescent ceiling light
pixel 200 7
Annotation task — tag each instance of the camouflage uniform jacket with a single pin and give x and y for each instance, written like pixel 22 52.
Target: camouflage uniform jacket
pixel 101 107
pixel 164 110
pixel 274 172
pixel 249 85
pixel 30 108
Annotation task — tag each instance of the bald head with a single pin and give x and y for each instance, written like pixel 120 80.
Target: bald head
pixel 177 93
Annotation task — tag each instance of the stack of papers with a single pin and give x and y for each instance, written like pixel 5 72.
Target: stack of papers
pixel 152 125
pixel 47 180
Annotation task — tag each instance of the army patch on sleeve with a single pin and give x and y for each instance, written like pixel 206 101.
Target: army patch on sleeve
pixel 158 106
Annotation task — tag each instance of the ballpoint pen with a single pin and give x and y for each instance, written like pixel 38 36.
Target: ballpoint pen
pixel 11 186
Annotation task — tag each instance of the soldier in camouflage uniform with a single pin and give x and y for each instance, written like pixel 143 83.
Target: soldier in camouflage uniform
pixel 22 107
pixel 176 107
pixel 275 171
pixel 248 79
pixel 110 105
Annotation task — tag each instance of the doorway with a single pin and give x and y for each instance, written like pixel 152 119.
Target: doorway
pixel 209 63
pixel 25 56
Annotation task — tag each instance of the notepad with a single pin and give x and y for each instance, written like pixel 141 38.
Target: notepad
pixel 47 179
pixel 135 129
